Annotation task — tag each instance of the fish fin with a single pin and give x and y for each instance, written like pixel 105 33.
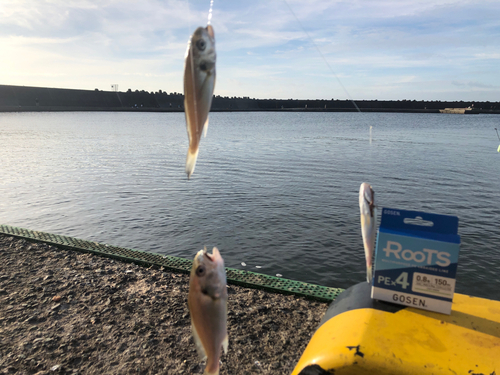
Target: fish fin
pixel 211 373
pixel 191 162
pixel 199 346
pixel 225 344
pixel 205 128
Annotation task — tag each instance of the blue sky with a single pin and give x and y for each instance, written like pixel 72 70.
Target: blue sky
pixel 392 50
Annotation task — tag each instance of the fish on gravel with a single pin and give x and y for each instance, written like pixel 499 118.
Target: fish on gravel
pixel 199 84
pixel 207 301
pixel 368 223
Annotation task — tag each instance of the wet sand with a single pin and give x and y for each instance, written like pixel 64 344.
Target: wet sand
pixel 65 312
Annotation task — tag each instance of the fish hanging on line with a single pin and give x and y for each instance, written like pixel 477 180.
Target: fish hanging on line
pixel 207 301
pixel 199 83
pixel 368 224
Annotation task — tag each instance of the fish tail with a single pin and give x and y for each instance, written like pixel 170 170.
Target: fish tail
pixel 191 162
pixel 225 344
pixel 369 274
pixel 212 368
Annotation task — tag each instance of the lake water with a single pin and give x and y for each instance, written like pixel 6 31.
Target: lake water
pixel 272 190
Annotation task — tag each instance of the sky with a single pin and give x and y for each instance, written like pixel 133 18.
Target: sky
pixel 309 49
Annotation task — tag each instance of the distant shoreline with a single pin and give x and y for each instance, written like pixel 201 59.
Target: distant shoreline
pixel 43 99
pixel 166 110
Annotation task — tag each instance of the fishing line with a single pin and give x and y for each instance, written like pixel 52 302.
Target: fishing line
pixel 188 53
pixel 497 134
pixel 323 57
pixel 210 12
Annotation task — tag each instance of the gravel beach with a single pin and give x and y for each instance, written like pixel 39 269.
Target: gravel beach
pixel 65 312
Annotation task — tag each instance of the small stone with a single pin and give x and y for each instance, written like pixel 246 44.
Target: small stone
pixel 55 307
pixel 56 298
pixel 55 368
pixel 196 369
pixel 31 319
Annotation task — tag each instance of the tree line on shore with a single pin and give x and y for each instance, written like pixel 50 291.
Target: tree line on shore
pixel 40 98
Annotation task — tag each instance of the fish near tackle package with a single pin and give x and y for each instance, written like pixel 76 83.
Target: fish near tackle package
pixel 416 259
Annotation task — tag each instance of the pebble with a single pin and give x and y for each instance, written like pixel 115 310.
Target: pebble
pixel 31 319
pixel 87 311
pixel 55 368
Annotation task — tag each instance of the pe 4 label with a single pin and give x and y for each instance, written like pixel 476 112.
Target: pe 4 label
pixel 401 280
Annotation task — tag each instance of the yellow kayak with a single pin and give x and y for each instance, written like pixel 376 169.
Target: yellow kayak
pixel 359 335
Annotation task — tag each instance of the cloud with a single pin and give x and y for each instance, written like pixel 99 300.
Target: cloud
pixel 474 84
pixel 375 48
pixel 487 56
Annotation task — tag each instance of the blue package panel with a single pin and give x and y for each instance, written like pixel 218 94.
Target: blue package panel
pixel 416 258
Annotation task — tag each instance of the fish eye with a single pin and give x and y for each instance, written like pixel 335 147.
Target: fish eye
pixel 201 44
pixel 200 271
pixel 203 66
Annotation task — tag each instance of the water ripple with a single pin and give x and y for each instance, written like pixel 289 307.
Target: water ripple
pixel 275 190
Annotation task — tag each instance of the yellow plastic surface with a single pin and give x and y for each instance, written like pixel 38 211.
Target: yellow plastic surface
pixel 410 341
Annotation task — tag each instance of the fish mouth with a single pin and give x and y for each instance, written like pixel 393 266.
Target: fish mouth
pixel 207 66
pixel 207 255
pixel 210 31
